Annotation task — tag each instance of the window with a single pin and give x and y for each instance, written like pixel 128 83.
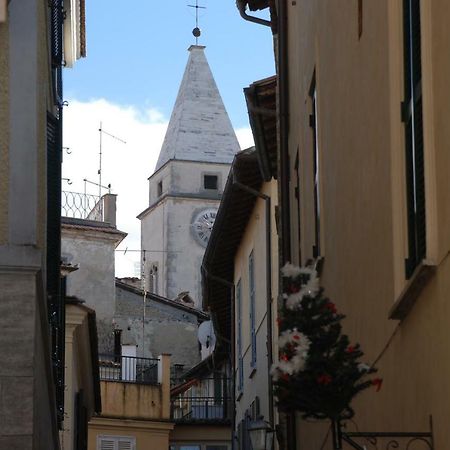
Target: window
pixel 251 285
pixel 316 165
pixel 414 155
pixel 210 182
pixel 240 383
pixel 153 279
pixel 116 443
pixel 160 189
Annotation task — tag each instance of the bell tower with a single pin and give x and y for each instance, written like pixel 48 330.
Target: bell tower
pixel 187 185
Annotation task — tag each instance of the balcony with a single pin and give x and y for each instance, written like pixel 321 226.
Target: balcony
pixel 128 369
pixel 205 400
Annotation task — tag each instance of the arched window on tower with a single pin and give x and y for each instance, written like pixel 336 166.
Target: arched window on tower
pixel 153 279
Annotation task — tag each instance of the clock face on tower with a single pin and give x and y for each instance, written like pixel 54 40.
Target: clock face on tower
pixel 202 225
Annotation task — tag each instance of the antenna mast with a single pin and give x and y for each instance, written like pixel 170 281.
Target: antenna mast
pixel 101 133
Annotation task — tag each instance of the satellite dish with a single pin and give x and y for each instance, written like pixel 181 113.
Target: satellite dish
pixel 206 335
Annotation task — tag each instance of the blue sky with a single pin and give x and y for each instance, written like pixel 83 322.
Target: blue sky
pixel 136 53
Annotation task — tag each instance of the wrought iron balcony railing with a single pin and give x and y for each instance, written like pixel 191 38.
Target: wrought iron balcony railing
pixel 187 409
pixel 204 399
pixel 128 369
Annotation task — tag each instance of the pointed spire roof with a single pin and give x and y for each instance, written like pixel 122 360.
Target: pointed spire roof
pixel 199 128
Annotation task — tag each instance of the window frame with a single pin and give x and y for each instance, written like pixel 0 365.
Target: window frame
pixel 211 176
pixel 116 439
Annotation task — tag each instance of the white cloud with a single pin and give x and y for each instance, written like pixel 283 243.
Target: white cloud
pixel 125 166
pixel 245 137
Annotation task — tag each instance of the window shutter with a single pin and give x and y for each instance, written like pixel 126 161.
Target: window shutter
pixel 125 444
pixel 56 305
pixel 251 277
pixel 414 145
pixel 106 444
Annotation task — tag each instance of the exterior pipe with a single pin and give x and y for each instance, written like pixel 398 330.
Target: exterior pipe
pixel 287 421
pixel 283 87
pixel 241 7
pixel 267 201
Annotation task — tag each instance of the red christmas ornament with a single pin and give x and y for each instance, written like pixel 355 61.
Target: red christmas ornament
pixel 324 379
pixel 350 349
pixel 285 377
pixel 332 307
pixel 296 337
pixel 293 289
pixel 284 357
pixel 377 382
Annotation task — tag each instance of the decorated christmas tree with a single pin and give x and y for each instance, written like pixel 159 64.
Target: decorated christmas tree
pixel 319 371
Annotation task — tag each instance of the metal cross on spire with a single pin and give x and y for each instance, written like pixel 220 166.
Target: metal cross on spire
pixel 196 31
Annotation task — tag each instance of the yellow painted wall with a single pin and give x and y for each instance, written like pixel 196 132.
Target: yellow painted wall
pixel 131 400
pixel 363 224
pixel 4 131
pixel 212 434
pixel 254 239
pixel 150 435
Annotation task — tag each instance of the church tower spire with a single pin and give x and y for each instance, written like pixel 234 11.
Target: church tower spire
pixel 199 128
pixel 187 185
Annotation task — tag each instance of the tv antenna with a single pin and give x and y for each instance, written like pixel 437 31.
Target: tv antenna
pixel 196 31
pixel 101 133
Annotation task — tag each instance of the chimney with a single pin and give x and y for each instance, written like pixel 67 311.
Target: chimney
pixel 109 209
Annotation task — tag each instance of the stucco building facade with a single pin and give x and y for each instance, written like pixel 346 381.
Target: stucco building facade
pixel 363 176
pixel 31 306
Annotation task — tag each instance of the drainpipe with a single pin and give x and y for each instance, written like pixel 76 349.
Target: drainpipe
pixel 283 92
pixel 289 426
pixel 229 285
pixel 241 5
pixel 267 201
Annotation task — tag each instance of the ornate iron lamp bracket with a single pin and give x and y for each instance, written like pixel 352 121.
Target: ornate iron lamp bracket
pixel 382 440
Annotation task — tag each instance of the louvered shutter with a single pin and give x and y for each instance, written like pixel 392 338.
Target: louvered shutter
pixel 125 444
pixel 106 444
pixel 414 148
pixel 251 270
pixel 56 310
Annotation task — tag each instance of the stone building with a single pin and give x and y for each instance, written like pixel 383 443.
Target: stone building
pixel 165 326
pixel 186 187
pixel 90 244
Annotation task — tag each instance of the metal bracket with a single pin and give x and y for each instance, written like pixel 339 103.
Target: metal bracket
pixel 382 440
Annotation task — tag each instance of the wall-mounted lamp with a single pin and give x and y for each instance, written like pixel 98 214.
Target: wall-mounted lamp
pixel 261 434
